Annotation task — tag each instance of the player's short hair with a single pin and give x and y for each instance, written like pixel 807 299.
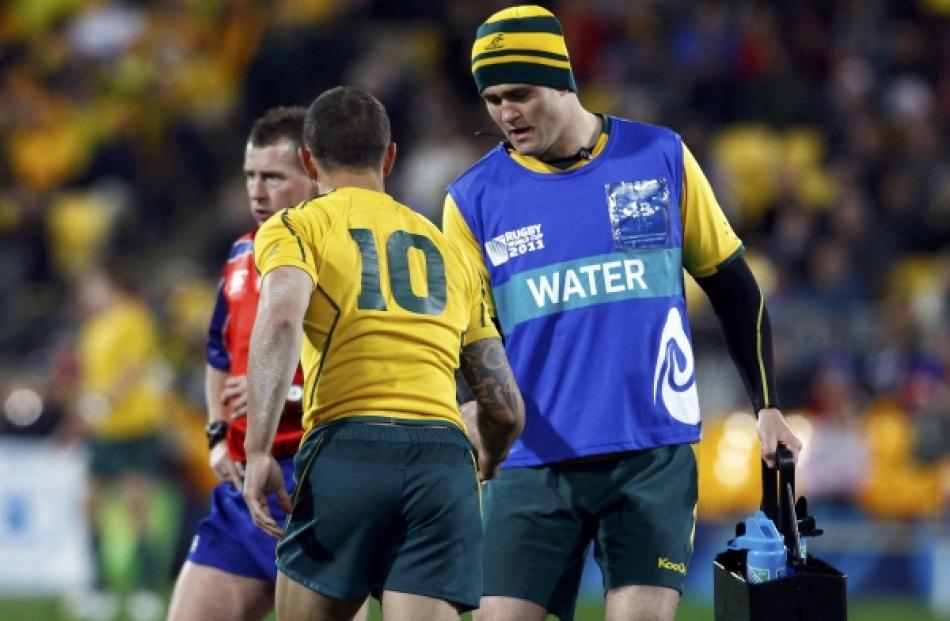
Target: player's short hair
pixel 347 128
pixel 283 122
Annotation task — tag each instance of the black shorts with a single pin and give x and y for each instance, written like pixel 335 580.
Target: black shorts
pixel 638 509
pixel 385 505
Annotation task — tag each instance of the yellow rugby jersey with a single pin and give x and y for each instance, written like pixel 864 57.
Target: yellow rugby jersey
pixel 392 304
pixel 110 344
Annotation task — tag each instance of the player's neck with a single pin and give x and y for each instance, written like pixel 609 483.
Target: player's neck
pixel 351 178
pixel 581 133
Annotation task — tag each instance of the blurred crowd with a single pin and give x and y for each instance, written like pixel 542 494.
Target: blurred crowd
pixel 823 127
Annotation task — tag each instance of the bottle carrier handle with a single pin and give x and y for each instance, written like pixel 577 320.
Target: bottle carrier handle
pixel 778 500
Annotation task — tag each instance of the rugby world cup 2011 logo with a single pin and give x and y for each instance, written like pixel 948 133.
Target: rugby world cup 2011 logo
pixel 514 243
pixel 674 377
pixel 497 250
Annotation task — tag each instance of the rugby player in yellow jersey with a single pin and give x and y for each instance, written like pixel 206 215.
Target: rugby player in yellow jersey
pixel 387 495
pixel 120 408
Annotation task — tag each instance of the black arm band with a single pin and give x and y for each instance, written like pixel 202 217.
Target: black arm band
pixel 744 320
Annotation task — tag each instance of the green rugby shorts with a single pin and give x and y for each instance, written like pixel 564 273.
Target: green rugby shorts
pixel 638 510
pixel 385 505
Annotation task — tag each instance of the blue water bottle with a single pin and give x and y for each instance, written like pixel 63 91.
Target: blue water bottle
pixel 766 554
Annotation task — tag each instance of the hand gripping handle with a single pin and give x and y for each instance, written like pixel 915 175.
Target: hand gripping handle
pixel 778 499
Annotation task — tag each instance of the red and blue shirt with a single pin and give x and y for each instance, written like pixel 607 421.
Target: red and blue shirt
pixel 229 341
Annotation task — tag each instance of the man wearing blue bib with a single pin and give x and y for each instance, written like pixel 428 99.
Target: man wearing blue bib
pixel 583 224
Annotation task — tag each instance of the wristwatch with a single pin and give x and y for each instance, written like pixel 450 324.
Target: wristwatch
pixel 215 432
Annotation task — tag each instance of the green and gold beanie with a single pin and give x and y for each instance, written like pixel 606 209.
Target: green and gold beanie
pixel 521 45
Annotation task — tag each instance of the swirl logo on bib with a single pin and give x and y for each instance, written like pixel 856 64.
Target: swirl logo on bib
pixel 674 377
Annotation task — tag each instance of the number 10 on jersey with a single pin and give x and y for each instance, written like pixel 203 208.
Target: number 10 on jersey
pixel 397 258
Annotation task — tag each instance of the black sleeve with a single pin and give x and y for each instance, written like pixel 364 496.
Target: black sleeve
pixel 744 320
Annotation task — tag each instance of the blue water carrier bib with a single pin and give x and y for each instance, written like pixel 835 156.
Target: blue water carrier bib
pixel 586 273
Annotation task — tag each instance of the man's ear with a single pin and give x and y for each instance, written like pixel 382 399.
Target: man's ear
pixel 306 160
pixel 389 159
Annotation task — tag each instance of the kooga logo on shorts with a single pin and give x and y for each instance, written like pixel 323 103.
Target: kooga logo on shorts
pixel 665 563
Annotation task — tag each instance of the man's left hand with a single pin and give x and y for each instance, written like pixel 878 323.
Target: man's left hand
pixel 263 476
pixel 772 428
pixel 487 469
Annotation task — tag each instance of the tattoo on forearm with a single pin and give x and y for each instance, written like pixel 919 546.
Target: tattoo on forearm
pixel 486 370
